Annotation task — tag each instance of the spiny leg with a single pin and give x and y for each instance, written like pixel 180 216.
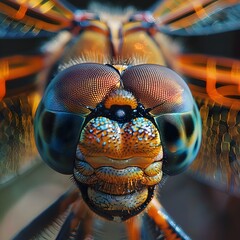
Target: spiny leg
pixel 78 224
pixel 170 229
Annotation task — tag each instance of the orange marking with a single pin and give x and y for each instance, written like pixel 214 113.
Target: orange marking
pixel 120 97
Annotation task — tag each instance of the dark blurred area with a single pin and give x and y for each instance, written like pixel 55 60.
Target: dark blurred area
pixel 140 5
pixel 202 211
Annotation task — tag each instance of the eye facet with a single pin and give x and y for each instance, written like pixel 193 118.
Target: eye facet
pixel 158 88
pixel 80 86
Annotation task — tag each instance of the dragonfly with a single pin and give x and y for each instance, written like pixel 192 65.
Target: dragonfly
pixel 76 85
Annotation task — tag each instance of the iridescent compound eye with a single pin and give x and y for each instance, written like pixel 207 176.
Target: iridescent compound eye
pixel 63 109
pixel 173 109
pixel 143 122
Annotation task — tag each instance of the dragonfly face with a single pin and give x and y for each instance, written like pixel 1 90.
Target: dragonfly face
pixel 117 131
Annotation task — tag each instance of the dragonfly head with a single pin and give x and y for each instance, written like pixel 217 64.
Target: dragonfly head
pixel 117 132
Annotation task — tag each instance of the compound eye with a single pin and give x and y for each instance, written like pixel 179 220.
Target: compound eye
pixel 173 108
pixel 181 138
pixel 158 88
pixel 80 86
pixel 61 113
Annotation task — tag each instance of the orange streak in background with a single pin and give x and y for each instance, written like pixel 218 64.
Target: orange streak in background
pixel 20 13
pixel 4 73
pixel 214 71
pixel 16 67
pixel 51 16
pixel 199 9
pixel 182 14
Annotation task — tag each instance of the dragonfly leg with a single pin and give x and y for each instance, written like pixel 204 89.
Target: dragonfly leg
pixel 133 228
pixel 78 224
pixel 170 229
